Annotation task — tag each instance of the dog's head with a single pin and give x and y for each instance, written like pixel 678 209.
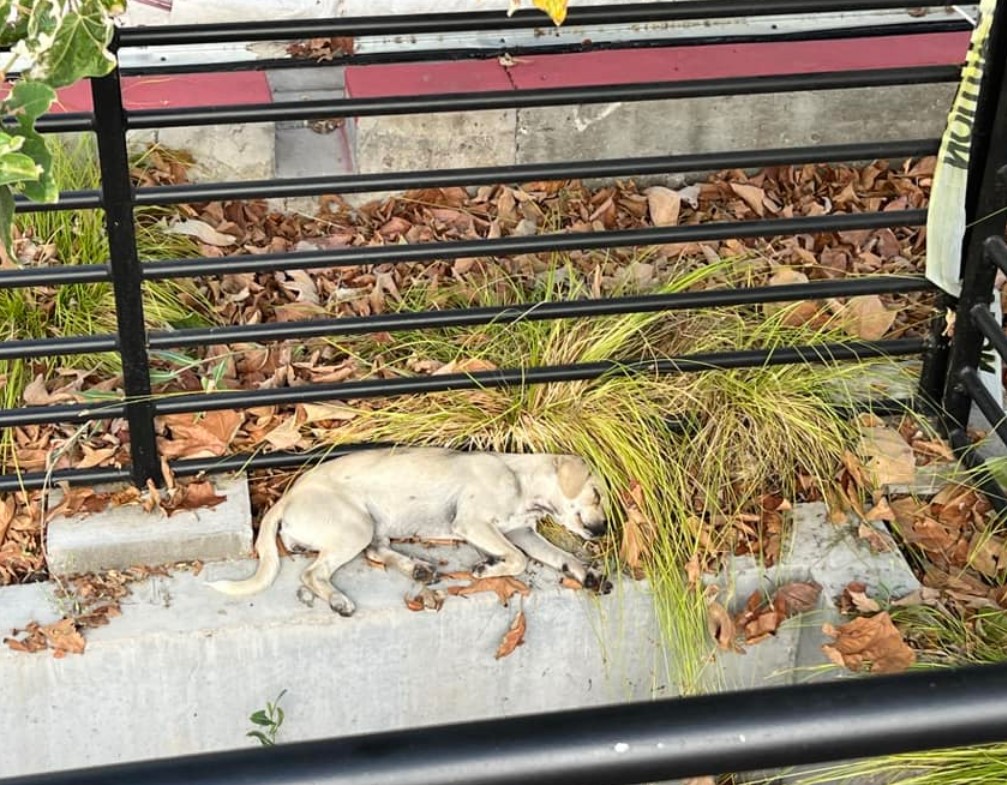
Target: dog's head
pixel 582 503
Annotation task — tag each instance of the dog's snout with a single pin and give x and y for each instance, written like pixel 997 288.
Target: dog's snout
pixel 597 529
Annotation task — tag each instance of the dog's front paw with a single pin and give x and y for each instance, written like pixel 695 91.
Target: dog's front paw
pixel 597 582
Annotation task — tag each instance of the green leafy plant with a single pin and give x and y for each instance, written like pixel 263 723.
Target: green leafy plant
pixel 55 43
pixel 269 721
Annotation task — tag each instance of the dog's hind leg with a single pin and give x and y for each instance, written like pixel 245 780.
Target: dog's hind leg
pixel 339 535
pixel 381 551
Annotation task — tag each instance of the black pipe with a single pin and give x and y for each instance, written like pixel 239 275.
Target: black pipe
pixel 620 744
pixel 953 24
pixel 565 170
pixel 512 377
pixel 141 119
pixel 543 243
pixel 424 24
pixel 571 309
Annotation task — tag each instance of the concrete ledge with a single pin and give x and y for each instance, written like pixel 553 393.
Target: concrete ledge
pixel 126 536
pixel 200 663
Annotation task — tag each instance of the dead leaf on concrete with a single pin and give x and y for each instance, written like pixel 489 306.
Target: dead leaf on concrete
pixel 514 636
pixel 504 587
pixel 854 599
pixel 798 597
pixel 62 637
pixel 879 541
pixel 426 599
pixel 869 643
pixel 721 625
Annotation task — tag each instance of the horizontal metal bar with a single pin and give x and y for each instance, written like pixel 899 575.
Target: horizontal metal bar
pixel 995 251
pixel 571 309
pixel 566 170
pixel 990 328
pixel 543 243
pixel 266 460
pixel 68 200
pixel 623 743
pixel 55 347
pixel 419 55
pixel 507 99
pixel 34 480
pixel 70 412
pixel 28 277
pixel 987 404
pixel 512 377
pixel 67 122
pixel 420 24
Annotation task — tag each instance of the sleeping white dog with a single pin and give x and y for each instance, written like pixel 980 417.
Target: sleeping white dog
pixel 362 501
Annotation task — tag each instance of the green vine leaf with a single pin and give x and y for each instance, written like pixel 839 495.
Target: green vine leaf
pixel 70 41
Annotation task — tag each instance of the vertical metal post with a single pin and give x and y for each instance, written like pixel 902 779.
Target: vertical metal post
pixel 985 217
pixel 127 281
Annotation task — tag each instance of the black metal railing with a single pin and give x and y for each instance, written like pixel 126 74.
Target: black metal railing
pixel 634 743
pixel 126 272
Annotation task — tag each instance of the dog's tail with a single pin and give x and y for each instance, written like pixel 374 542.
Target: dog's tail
pixel 269 558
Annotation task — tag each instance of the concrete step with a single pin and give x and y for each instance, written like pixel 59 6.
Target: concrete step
pixel 201 663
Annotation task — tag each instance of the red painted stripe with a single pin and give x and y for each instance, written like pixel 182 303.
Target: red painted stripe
pixel 682 63
pixel 152 92
pixel 467 76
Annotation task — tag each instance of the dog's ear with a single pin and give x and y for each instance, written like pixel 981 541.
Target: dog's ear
pixel 572 472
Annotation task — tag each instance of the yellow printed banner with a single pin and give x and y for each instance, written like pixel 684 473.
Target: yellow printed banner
pixel 946 214
pixel 555 8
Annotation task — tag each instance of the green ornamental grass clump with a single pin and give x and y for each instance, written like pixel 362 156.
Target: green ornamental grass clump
pixel 680 450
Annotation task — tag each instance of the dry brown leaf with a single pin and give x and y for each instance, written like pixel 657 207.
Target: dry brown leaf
pixel 872 643
pixel 881 511
pixel 470 365
pixel 285 436
pixel 193 496
pixel 571 583
pixel 878 540
pixel 203 232
pixel 700 781
pixel 888 458
pixel 984 554
pixel 514 636
pixel 426 599
pixel 504 587
pixel 664 205
pixel 200 436
pixel 721 625
pixel 797 597
pixel 865 317
pixel 751 195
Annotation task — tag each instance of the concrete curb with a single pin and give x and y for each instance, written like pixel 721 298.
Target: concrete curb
pixel 200 663
pixel 126 536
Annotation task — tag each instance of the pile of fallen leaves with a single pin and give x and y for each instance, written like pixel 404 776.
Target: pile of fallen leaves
pixel 955 544
pixel 87 601
pixel 442 215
